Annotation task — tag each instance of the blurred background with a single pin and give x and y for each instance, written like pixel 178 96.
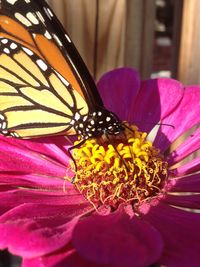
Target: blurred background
pixel 160 38
pixel 157 37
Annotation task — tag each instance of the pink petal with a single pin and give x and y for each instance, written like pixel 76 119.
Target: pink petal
pixel 186 184
pixel 187 201
pixel 64 258
pixel 14 198
pixel 118 89
pixel 55 147
pixel 18 159
pixel 115 239
pixel 191 144
pixel 33 181
pixel 191 167
pixel 180 232
pixel 52 147
pixel 156 99
pixel 32 230
pixel 183 118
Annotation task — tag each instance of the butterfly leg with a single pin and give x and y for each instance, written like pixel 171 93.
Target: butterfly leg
pixel 3 125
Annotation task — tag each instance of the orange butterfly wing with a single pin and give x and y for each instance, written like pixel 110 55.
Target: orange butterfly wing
pixel 39 91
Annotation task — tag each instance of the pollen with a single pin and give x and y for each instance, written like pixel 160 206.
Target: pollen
pixel 130 170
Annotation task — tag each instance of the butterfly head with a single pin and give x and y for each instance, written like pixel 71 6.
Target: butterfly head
pixel 98 123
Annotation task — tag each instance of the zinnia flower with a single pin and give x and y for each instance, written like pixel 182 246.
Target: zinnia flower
pixel 133 210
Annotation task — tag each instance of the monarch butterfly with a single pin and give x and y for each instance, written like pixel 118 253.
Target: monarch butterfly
pixel 45 87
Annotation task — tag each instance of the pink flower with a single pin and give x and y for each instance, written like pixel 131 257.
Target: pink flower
pixel 48 226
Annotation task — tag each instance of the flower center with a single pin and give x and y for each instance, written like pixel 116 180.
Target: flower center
pixel 129 170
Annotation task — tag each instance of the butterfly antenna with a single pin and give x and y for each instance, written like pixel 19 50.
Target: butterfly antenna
pixel 159 123
pixel 166 124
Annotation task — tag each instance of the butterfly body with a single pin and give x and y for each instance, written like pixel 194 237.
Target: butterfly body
pixel 45 87
pixel 98 123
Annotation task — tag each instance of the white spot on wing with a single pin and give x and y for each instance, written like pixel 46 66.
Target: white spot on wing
pixel 62 79
pixel 41 64
pixel 47 35
pixel 4 125
pixel 6 50
pixel 32 18
pixel 49 11
pixel 4 41
pixel 4 132
pixel 77 116
pixel 40 16
pixel 68 39
pixel 27 51
pixel 2 117
pixel 14 134
pixel 12 2
pixel 13 46
pixel 57 39
pixel 22 19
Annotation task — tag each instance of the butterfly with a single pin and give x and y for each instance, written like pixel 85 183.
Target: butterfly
pixel 45 87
